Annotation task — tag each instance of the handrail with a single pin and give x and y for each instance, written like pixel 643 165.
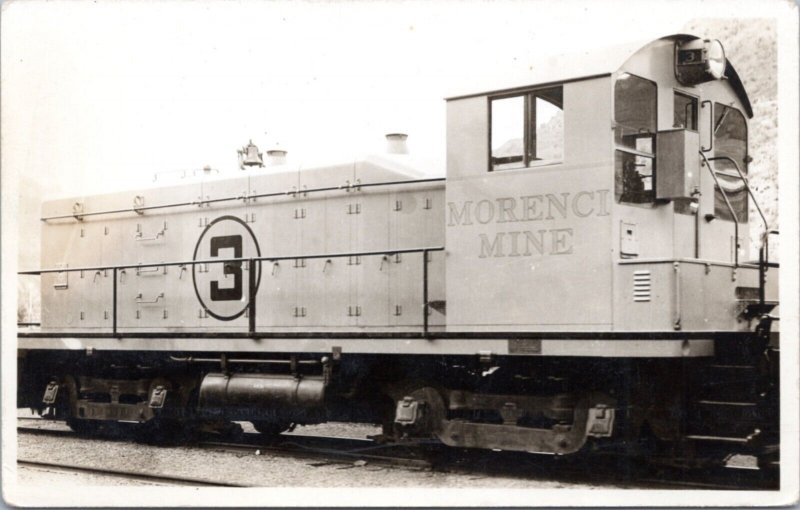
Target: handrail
pixel 763 251
pixel 707 162
pixel 765 241
pixel 746 185
pixel 292 192
pixel 240 259
pixel 767 231
pixel 139 236
pixel 252 282
pixel 140 299
pixel 763 266
pixel 711 127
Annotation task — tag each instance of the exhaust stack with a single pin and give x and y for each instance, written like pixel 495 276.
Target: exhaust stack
pixel 276 157
pixel 396 143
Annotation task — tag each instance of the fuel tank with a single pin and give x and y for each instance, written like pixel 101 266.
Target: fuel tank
pixel 260 391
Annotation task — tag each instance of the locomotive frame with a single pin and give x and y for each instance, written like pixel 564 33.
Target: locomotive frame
pixel 497 368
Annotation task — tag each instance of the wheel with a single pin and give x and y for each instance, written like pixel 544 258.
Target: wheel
pixel 269 428
pixel 83 427
pixel 163 431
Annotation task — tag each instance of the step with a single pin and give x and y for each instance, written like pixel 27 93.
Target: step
pixel 718 439
pixel 723 404
pixel 733 367
pixel 769 304
pixel 752 308
pixel 725 419
pixel 737 352
pixel 730 383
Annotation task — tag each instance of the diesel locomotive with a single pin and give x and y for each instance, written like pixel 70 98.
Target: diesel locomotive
pixel 582 279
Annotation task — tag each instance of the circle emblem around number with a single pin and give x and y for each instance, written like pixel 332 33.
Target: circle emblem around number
pixel 222 288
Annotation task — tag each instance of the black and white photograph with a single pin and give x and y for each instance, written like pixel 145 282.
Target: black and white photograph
pixel 402 254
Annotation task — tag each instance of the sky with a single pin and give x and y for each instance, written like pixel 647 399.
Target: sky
pixel 101 96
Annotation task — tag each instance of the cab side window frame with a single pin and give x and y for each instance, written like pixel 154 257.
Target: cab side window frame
pixel 686 114
pixel 517 114
pixel 635 139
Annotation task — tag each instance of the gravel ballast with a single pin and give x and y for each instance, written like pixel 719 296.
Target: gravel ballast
pixel 257 469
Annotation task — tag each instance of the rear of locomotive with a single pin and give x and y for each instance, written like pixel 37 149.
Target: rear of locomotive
pixel 593 290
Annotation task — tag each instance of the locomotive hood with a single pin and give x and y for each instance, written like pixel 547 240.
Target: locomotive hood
pixel 374 168
pixel 367 168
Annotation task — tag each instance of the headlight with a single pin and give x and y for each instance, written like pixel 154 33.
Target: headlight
pixel 699 60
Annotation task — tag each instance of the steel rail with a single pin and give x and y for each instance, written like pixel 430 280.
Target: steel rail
pixel 36 431
pixel 245 197
pixel 295 445
pixel 520 465
pixel 336 449
pixel 127 474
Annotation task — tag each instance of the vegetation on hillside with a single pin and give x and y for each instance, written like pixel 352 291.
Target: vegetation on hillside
pixel 751 46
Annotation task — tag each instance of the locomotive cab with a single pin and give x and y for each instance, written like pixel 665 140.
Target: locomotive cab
pixel 622 192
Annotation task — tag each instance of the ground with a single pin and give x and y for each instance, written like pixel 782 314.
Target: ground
pixel 256 468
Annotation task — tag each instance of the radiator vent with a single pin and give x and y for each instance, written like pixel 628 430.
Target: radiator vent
pixel 641 285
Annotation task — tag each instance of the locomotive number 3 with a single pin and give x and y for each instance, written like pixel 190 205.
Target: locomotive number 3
pixel 229 268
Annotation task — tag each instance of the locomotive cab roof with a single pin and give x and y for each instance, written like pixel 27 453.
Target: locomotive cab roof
pixel 597 63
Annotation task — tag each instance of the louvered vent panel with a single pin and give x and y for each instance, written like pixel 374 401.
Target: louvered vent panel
pixel 641 285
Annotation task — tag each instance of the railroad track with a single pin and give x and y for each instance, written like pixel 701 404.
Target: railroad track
pixel 608 470
pixel 343 450
pixel 46 432
pixel 125 474
pixel 331 448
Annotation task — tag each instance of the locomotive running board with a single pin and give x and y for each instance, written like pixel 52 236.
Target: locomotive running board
pixel 577 344
pixel 583 345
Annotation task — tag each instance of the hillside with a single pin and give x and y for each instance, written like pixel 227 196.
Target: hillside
pixel 751 46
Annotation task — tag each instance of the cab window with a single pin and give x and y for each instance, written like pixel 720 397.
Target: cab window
pixel 635 124
pixel 527 129
pixel 685 111
pixel 730 140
